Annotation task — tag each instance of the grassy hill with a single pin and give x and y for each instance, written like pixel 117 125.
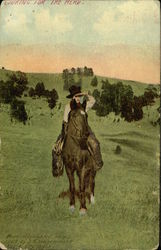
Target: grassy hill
pixel 126 213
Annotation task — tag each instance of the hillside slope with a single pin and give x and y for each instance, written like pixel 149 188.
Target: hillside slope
pixel 126 213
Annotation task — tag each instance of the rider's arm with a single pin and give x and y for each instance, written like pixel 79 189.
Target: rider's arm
pixel 90 102
pixel 66 112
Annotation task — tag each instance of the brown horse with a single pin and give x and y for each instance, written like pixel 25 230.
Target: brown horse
pixel 77 158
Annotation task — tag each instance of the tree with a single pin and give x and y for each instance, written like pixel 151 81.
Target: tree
pixel 137 107
pixel 127 109
pixel 96 94
pixel 31 92
pixel 39 89
pixel 86 72
pixel 46 93
pixel 79 71
pixel 7 92
pixel 105 84
pixel 18 111
pixel 128 92
pixel 51 103
pixel 90 72
pixel 65 73
pixel 102 110
pixel 70 80
pixel 94 82
pixel 65 87
pixel 19 81
pixel 73 71
pixel 54 94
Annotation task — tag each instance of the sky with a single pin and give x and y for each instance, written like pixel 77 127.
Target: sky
pixel 119 39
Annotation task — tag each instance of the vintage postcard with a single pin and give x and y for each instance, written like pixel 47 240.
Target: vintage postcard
pixel 79 124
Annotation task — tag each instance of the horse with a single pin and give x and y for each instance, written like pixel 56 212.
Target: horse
pixel 77 158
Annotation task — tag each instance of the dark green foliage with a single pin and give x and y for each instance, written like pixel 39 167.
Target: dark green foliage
pixel 18 110
pixel 126 109
pixel 13 87
pixel 79 71
pixel 69 81
pixel 68 76
pixel 39 89
pixel 118 150
pixel 73 71
pixel 52 98
pixel 65 73
pixel 105 84
pixel 96 94
pixel 19 81
pixel 120 99
pixel 51 103
pixel 31 92
pixel 137 106
pixel 148 97
pixel 54 94
pixel 16 86
pixel 7 92
pixel 51 95
pixel 65 87
pixel 94 82
pixel 88 71
pixel 102 110
pixel 46 93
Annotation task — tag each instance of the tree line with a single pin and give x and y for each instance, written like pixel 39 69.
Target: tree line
pixel 68 76
pixel 15 87
pixel 120 99
pixel 40 91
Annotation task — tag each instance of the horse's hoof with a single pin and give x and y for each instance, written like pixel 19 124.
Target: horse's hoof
pixel 82 211
pixel 92 199
pixel 72 208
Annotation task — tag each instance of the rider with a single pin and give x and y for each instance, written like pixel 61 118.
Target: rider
pixel 85 102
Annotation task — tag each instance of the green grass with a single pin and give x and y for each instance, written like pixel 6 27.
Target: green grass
pixel 126 213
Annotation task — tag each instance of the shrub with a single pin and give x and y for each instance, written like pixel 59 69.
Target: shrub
pixel 39 89
pixel 31 92
pixel 118 150
pixel 18 111
pixel 94 82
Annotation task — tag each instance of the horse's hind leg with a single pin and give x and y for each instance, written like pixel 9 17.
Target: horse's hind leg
pixel 70 174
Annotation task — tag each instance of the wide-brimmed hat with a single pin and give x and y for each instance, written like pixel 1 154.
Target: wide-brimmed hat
pixel 73 91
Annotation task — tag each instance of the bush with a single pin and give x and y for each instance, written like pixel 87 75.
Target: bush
pixel 94 82
pixel 118 150
pixel 18 111
pixel 7 92
pixel 102 110
pixel 31 92
pixel 51 103
pixel 39 89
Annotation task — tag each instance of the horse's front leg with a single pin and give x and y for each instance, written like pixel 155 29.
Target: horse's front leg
pixel 92 185
pixel 70 174
pixel 82 185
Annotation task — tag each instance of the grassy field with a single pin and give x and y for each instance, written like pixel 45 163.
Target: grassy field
pixel 126 213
